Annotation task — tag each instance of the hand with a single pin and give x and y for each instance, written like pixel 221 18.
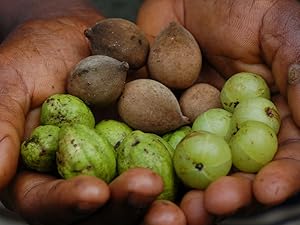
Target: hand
pixel 256 36
pixel 34 62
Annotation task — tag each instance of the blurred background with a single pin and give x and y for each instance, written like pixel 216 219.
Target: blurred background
pixel 119 8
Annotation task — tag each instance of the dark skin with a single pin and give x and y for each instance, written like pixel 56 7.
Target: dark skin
pixel 268 38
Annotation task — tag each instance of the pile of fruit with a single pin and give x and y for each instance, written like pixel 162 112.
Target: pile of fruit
pixel 187 131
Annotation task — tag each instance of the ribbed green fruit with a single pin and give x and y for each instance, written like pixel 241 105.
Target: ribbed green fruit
pixel 144 150
pixel 63 109
pixel 82 151
pixel 38 151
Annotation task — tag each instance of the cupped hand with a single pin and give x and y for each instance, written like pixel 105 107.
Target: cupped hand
pixel 255 36
pixel 35 61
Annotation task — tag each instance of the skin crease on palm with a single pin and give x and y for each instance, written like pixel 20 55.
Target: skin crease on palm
pixel 258 36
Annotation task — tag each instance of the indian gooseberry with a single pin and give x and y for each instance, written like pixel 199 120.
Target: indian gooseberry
pixel 257 109
pixel 121 39
pixel 199 98
pixel 241 86
pixel 215 120
pixel 200 158
pixel 98 80
pixel 175 58
pixel 253 146
pixel 150 106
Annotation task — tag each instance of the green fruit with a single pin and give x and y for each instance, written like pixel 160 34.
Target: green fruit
pixel 257 109
pixel 158 138
pixel 140 149
pixel 241 86
pixel 62 109
pixel 175 137
pixel 200 158
pixel 38 152
pixel 114 131
pixel 216 121
pixel 253 146
pixel 82 151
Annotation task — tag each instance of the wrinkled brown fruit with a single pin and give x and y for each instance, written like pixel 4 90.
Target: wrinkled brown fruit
pixel 175 58
pixel 120 39
pixel 98 80
pixel 150 106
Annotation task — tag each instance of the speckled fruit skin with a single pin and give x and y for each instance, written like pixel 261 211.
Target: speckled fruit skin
pixel 241 86
pixel 140 149
pixel 257 109
pixel 64 109
pixel 200 158
pixel 38 151
pixel 253 146
pixel 216 121
pixel 114 131
pixel 82 151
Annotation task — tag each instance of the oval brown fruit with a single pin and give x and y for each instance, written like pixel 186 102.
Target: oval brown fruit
pixel 150 106
pixel 175 58
pixel 121 39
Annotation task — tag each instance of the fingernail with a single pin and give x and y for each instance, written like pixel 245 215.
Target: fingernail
pixel 294 74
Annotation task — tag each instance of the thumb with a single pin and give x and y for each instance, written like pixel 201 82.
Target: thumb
pixel 13 106
pixel 280 41
pixel 154 15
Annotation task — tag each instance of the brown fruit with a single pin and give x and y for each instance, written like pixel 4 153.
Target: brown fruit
pixel 98 80
pixel 198 99
pixel 150 106
pixel 120 39
pixel 175 58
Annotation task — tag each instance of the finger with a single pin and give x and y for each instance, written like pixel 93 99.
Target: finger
pixel 289 133
pixel 228 194
pixel 43 199
pixel 192 204
pixel 164 212
pixel 154 15
pixel 132 193
pixel 281 47
pixel 13 106
pixel 277 181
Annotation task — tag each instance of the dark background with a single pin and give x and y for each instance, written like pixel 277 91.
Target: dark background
pixel 126 9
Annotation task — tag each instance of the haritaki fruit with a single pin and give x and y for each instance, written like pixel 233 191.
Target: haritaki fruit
pixel 201 158
pixel 82 151
pixel 98 80
pixel 175 58
pixel 39 150
pixel 64 109
pixel 121 39
pixel 141 149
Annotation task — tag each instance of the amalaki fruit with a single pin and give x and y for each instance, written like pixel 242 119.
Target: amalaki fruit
pixel 200 158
